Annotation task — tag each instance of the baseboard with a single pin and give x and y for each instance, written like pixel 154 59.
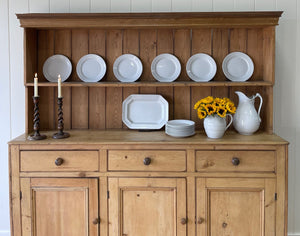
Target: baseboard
pixel 4 233
pixel 294 234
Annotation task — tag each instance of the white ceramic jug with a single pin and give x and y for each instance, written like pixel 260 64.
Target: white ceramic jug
pixel 246 120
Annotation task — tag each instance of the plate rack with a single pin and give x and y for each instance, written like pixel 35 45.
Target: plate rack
pixel 99 105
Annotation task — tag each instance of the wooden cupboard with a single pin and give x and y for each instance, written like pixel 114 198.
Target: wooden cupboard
pixel 107 180
pixel 142 193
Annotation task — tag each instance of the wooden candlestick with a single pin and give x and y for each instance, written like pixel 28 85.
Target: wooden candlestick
pixel 60 134
pixel 36 121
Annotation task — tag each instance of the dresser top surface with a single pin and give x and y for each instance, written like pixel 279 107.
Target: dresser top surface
pixel 150 137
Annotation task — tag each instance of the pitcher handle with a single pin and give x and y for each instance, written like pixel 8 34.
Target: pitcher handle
pixel 231 119
pixel 261 101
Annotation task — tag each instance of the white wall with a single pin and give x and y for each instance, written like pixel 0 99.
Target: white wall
pixel 287 96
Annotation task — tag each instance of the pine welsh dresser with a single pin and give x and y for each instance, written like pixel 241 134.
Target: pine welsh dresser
pixel 108 180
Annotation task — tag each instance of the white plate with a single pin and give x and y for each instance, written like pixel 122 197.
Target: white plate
pixel 91 68
pixel 180 123
pixel 167 129
pixel 165 67
pixel 238 66
pixel 57 65
pixel 179 135
pixel 187 132
pixel 127 68
pixel 201 67
pixel 145 111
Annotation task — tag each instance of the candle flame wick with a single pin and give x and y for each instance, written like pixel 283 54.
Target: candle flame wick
pixel 35 75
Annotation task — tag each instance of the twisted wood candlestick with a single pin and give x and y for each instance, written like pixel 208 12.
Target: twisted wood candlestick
pixel 60 134
pixel 36 121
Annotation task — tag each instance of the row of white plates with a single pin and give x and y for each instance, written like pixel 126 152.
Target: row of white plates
pixel 237 66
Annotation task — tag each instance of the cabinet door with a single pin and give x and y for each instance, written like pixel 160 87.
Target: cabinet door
pixel 59 207
pixel 147 206
pixel 235 206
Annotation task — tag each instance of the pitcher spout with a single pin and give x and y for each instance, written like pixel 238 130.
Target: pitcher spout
pixel 242 96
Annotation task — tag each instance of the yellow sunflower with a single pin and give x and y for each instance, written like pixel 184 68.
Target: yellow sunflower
pixel 221 111
pixel 201 113
pixel 210 109
pixel 207 100
pixel 197 104
pixel 230 107
pixel 218 102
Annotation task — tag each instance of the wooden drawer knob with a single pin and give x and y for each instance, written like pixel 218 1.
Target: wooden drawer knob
pixel 96 221
pixel 200 220
pixel 59 161
pixel 183 221
pixel 235 161
pixel 147 161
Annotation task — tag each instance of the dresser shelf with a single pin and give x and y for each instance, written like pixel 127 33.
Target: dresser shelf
pixel 157 84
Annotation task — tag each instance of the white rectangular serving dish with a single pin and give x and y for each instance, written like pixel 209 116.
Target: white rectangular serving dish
pixel 145 111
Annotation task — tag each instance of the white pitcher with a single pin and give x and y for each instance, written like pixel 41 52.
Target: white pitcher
pixel 246 120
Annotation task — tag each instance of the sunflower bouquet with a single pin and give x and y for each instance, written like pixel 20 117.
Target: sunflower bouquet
pixel 210 106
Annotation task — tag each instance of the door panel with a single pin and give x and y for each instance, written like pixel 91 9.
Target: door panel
pixel 147 206
pixel 60 207
pixel 231 212
pixel 238 207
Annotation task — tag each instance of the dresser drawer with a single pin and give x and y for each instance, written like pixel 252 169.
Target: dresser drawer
pixel 236 161
pixel 59 161
pixel 146 160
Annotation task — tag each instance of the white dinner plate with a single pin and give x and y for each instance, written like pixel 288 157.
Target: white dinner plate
pixel 91 68
pixel 57 65
pixel 179 123
pixel 165 67
pixel 201 67
pixel 179 135
pixel 145 111
pixel 238 66
pixel 127 68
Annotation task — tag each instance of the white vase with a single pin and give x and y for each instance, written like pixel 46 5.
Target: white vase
pixel 215 126
pixel 246 119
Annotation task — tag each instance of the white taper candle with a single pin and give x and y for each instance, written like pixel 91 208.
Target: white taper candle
pixel 59 87
pixel 36 94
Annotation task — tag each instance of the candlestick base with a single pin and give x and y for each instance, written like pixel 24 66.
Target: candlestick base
pixel 36 137
pixel 36 121
pixel 60 135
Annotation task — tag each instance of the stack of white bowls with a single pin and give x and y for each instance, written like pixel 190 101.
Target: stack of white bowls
pixel 180 128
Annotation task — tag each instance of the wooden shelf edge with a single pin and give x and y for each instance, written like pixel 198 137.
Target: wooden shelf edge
pixel 110 137
pixel 150 20
pixel 156 84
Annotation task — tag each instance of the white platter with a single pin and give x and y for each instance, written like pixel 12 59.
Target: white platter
pixel 145 111
pixel 127 68
pixel 238 66
pixel 201 67
pixel 91 68
pixel 165 67
pixel 57 65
